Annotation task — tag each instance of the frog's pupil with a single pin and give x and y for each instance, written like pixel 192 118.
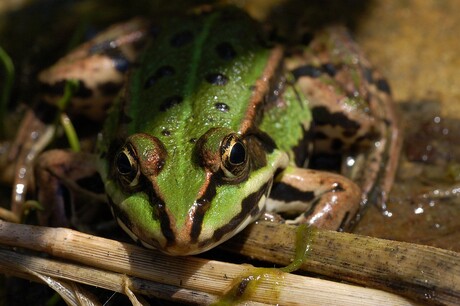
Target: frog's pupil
pixel 124 166
pixel 237 154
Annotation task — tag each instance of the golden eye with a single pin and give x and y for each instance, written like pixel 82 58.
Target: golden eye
pixel 233 155
pixel 127 167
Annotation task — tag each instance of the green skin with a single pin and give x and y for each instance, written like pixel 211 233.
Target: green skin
pixel 180 197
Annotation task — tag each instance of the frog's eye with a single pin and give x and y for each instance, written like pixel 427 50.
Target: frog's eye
pixel 127 167
pixel 234 156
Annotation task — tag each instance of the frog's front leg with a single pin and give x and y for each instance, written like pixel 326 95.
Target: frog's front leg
pixel 323 199
pixel 32 137
pixel 57 172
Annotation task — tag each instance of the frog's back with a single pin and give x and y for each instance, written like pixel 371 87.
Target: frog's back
pixel 198 73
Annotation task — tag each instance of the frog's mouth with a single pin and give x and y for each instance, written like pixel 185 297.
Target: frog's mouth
pixel 199 233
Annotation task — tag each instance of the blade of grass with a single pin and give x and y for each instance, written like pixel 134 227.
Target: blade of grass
pixel 71 87
pixel 6 92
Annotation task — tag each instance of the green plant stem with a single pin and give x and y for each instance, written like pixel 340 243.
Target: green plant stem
pixel 6 92
pixel 71 87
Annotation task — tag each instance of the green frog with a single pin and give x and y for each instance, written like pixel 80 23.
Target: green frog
pixel 211 126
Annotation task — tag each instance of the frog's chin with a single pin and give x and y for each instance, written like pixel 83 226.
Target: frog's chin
pixel 182 246
pixel 212 237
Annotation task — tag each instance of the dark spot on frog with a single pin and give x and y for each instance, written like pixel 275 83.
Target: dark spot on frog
pixel 369 136
pixel 170 102
pixel 193 140
pixel 216 79
pixel 109 88
pixel 166 133
pixel 306 70
pixel 202 206
pixel 322 116
pixel 303 147
pixel 82 91
pixel 225 51
pixel 57 89
pixel 113 51
pixel 159 213
pixel 336 144
pixel 286 193
pixel 121 63
pixel 222 107
pixel 161 72
pixel 349 133
pixel 181 39
pixel 320 135
pixel 329 69
pixel 383 85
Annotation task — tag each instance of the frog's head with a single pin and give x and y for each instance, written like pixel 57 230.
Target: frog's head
pixel 186 198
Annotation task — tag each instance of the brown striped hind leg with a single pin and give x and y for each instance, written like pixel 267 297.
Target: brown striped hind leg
pixel 325 200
